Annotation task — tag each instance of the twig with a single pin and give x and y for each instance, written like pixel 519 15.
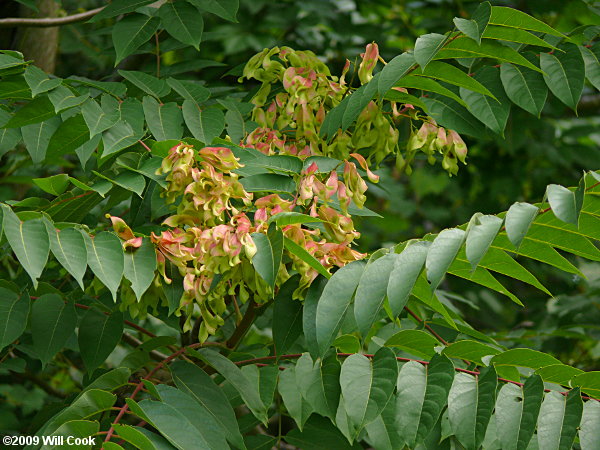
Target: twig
pixel 431 330
pixel 44 22
pixel 41 383
pixel 243 326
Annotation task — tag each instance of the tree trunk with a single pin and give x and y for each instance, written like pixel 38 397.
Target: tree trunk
pixel 40 44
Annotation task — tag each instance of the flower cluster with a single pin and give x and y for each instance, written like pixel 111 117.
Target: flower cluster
pixel 209 238
pixel 289 121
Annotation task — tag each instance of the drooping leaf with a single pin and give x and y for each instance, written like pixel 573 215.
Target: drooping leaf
pixel 564 73
pixel 14 310
pixel 422 394
pixel 70 135
pixel 37 137
pixel 99 334
pixel 319 383
pixel 298 408
pixel 510 17
pixel 147 83
pixel 470 404
pixel 524 87
pixel 38 81
pixel 164 120
pixel 493 113
pixel 416 342
pixel 480 236
pixel 205 124
pixel 238 380
pixel 426 47
pixel 517 410
pixel 441 253
pixel 189 90
pixel 589 432
pixel 37 110
pixel 559 418
pixel 406 270
pixel 68 247
pixel 64 98
pixel 100 118
pixel 29 240
pixel 453 75
pixel 227 9
pixel 518 220
pixel 335 302
pixel 397 68
pixel 140 264
pixel 267 259
pixel 105 258
pixel 53 321
pixel 119 7
pixel 287 317
pixel 183 22
pixel 55 185
pixel 196 383
pixel 371 292
pixel 131 32
pixel 564 203
pixel 368 386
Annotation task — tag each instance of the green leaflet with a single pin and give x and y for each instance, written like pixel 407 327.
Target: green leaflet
pixel 70 135
pixel 193 381
pixel 29 240
pixel 189 90
pixel 589 432
pixel 319 383
pixel 140 438
pixel 592 66
pixel 524 357
pixel 422 394
pixel 37 137
pixel 492 113
pixel 589 382
pixel 558 373
pixel 119 136
pixel 371 292
pixel 564 73
pixel 518 220
pixel 565 204
pixel 367 386
pixel 309 314
pixel 169 420
pixel 205 124
pixel 267 259
pixel 441 253
pixel 98 335
pixel 559 418
pixel 105 258
pixel 140 264
pixel 514 18
pixel 287 317
pixel 480 236
pixel 14 310
pixel 164 120
pixel 198 416
pixel 38 81
pixel 55 185
pixel 417 342
pixel 357 102
pixel 407 267
pixel 268 182
pixel 147 83
pixel 53 322
pixel 131 32
pixel 426 47
pixel 118 8
pixel 227 9
pixel 453 75
pixel 320 434
pixel 524 87
pixel 428 84
pixel 517 409
pixel 100 118
pixel 37 110
pixel 453 115
pixel 470 404
pixel 515 35
pixel 183 22
pixel 75 429
pixel 469 350
pixel 237 378
pixel 298 408
pixel 64 98
pixel 397 68
pixel 68 247
pixel 335 302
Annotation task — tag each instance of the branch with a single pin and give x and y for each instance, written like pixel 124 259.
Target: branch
pixel 44 22
pixel 243 326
